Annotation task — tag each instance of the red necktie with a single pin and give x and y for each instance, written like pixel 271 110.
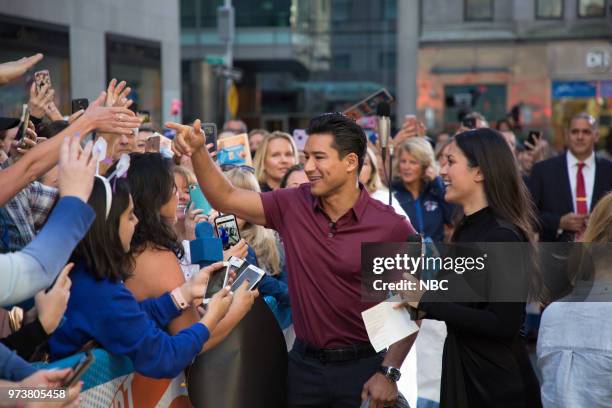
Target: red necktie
pixel 581 200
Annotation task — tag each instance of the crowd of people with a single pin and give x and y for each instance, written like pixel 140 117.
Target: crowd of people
pixel 94 245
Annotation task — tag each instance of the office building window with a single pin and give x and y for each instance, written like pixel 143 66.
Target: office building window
pixel 342 61
pixel 21 38
pixel 389 9
pixel 476 10
pixel 138 62
pixel 591 8
pixel 341 10
pixel 387 60
pixel 549 9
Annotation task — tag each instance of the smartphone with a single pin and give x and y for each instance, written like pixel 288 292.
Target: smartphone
pixel 210 132
pixel 217 281
pixel 236 265
pixel 25 120
pixel 79 369
pixel 197 198
pixel 412 119
pixel 533 138
pixel 42 78
pixel 469 123
pixel 300 136
pixel 80 103
pixel 227 229
pixel 252 274
pixel 153 143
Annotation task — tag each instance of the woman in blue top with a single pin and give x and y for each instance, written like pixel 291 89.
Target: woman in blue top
pixel 419 191
pixel 102 309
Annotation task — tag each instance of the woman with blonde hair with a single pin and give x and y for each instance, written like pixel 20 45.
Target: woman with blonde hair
pixel 370 178
pixel 419 190
pixel 276 153
pixel 575 338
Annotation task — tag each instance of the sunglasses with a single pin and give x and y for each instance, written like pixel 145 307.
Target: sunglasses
pixel 228 167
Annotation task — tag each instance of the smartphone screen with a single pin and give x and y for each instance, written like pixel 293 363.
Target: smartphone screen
pixel 197 198
pixel 217 281
pixel 42 78
pixel 227 230
pixel 79 369
pixel 153 143
pixel 252 274
pixel 534 135
pixel 210 131
pixel 78 104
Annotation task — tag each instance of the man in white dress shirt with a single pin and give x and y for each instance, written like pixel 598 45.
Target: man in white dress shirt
pixel 565 188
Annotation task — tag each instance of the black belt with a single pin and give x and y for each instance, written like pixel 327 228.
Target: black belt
pixel 335 355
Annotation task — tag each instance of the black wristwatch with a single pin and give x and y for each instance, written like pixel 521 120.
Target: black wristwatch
pixel 392 373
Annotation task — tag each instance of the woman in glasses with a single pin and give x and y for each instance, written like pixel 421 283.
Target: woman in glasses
pixel 275 155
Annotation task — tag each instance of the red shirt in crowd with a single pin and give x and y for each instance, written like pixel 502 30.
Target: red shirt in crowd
pixel 323 260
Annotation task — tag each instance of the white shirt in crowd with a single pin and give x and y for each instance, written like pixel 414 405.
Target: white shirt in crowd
pixel 382 195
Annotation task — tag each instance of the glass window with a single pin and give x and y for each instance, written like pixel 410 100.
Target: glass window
pixel 137 62
pixel 387 60
pixel 478 10
pixel 188 13
pixel 389 9
pixel 552 9
pixel 21 38
pixel 591 8
pixel 342 61
pixel 341 10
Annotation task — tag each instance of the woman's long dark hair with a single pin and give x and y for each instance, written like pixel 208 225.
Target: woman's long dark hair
pixel 506 192
pixel 101 249
pixel 152 185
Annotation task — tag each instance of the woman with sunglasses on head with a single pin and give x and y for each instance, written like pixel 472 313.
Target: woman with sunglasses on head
pixel 156 250
pixel 276 153
pixel 102 309
pixel 485 362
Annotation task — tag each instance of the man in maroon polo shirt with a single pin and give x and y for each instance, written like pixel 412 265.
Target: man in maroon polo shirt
pixel 322 224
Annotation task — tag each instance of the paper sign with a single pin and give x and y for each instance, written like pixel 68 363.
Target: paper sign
pixel 386 325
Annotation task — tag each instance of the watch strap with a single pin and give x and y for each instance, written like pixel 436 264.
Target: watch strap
pixel 178 298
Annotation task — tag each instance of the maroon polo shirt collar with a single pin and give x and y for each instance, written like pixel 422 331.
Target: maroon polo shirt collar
pixel 358 208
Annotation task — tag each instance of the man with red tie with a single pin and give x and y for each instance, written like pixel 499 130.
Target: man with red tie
pixel 566 187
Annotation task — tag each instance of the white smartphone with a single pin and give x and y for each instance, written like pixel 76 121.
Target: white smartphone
pixel 217 281
pixel 252 274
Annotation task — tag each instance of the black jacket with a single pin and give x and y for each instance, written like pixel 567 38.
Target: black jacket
pixel 551 192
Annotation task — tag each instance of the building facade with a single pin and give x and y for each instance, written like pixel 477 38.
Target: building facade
pixel 548 59
pixel 86 43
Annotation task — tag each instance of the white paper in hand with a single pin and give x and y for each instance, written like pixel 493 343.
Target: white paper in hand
pixel 386 325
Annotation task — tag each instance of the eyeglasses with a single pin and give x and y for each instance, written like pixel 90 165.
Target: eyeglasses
pixel 228 167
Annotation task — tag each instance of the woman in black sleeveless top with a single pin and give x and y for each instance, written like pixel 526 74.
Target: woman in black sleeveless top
pixel 485 363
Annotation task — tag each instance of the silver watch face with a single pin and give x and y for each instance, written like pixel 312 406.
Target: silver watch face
pixel 393 374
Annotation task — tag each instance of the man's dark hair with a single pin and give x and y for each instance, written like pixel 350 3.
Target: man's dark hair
pixel 349 137
pixel 50 129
